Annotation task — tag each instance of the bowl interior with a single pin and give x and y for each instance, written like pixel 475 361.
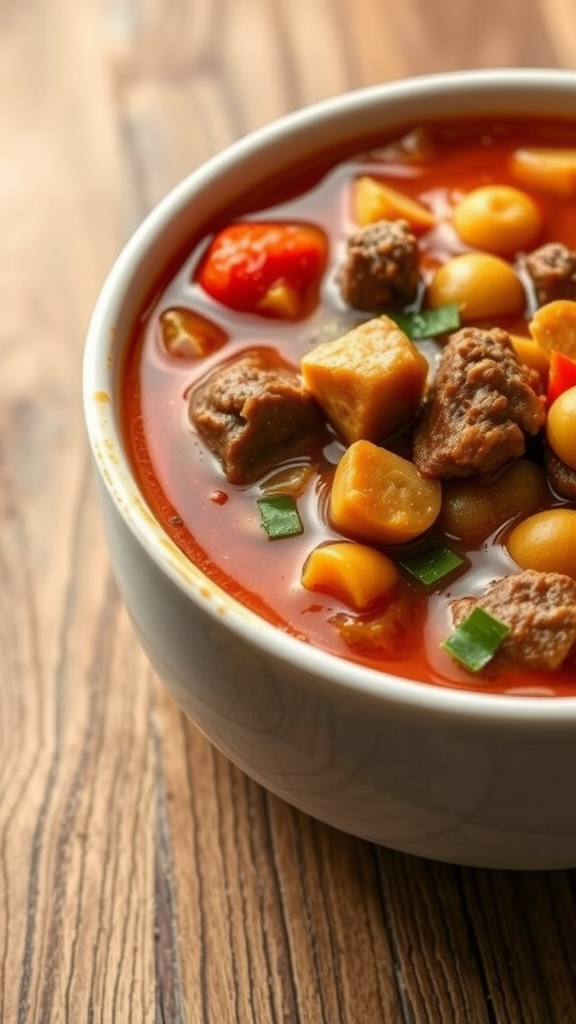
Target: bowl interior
pixel 165 235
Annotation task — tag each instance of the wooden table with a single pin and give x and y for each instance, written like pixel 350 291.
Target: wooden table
pixel 142 877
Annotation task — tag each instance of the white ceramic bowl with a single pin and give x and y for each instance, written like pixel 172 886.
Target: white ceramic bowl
pixel 457 776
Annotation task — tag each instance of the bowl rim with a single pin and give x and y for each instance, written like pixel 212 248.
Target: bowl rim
pixel 321 668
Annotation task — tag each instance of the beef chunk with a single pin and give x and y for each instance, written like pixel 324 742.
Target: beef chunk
pixel 252 411
pixel 482 404
pixel 552 269
pixel 382 266
pixel 539 608
pixel 561 476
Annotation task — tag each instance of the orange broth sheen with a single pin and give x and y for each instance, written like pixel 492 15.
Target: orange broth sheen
pixel 217 524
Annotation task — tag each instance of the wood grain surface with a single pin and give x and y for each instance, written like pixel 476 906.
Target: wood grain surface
pixel 143 879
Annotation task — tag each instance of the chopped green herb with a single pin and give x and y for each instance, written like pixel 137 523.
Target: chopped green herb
pixel 428 322
pixel 279 516
pixel 476 640
pixel 433 564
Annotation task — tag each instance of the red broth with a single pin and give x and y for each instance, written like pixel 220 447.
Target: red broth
pixel 216 524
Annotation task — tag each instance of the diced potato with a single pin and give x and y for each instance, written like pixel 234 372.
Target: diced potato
pixel 354 573
pixel 553 327
pixel 548 169
pixel 379 497
pixel 373 201
pixel 368 381
pixel 531 354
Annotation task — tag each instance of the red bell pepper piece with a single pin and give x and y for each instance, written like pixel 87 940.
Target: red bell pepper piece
pixel 562 375
pixel 273 269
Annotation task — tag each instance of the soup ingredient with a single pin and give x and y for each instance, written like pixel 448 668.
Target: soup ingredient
pixel 562 478
pixel 474 507
pixel 499 219
pixel 433 564
pixel 427 323
pixel 561 427
pixel 189 335
pixel 372 200
pixel 482 285
pixel 382 267
pixel 476 639
pixel 368 381
pixel 482 404
pixel 531 355
pixel 389 633
pixel 547 168
pixel 379 497
pixel 354 573
pixel 562 375
pixel 546 542
pixel 279 516
pixel 540 610
pixel 269 268
pixel 552 269
pixel 553 327
pixel 281 452
pixel 252 410
pixel 292 479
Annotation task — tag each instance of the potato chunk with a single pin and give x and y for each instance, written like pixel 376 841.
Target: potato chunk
pixel 355 573
pixel 553 327
pixel 368 381
pixel 373 201
pixel 551 170
pixel 379 497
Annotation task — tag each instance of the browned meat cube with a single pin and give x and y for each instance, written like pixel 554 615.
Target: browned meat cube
pixel 552 269
pixel 539 608
pixel 482 405
pixel 252 411
pixel 561 476
pixel 382 267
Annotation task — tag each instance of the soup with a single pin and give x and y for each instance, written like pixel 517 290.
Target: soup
pixel 352 405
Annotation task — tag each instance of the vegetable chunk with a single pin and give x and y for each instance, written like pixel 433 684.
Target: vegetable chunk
pixel 484 286
pixel 380 497
pixel 355 573
pixel 497 218
pixel 551 170
pixel 553 327
pixel 373 200
pixel 270 269
pixel 368 381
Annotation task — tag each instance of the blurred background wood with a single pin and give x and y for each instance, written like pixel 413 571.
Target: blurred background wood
pixel 142 877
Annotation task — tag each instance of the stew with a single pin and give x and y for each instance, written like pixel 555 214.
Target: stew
pixel 353 405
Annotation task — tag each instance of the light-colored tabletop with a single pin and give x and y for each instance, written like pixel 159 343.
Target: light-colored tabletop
pixel 142 877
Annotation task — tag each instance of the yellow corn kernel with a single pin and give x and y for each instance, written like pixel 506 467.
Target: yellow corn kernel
pixel 372 200
pixel 354 573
